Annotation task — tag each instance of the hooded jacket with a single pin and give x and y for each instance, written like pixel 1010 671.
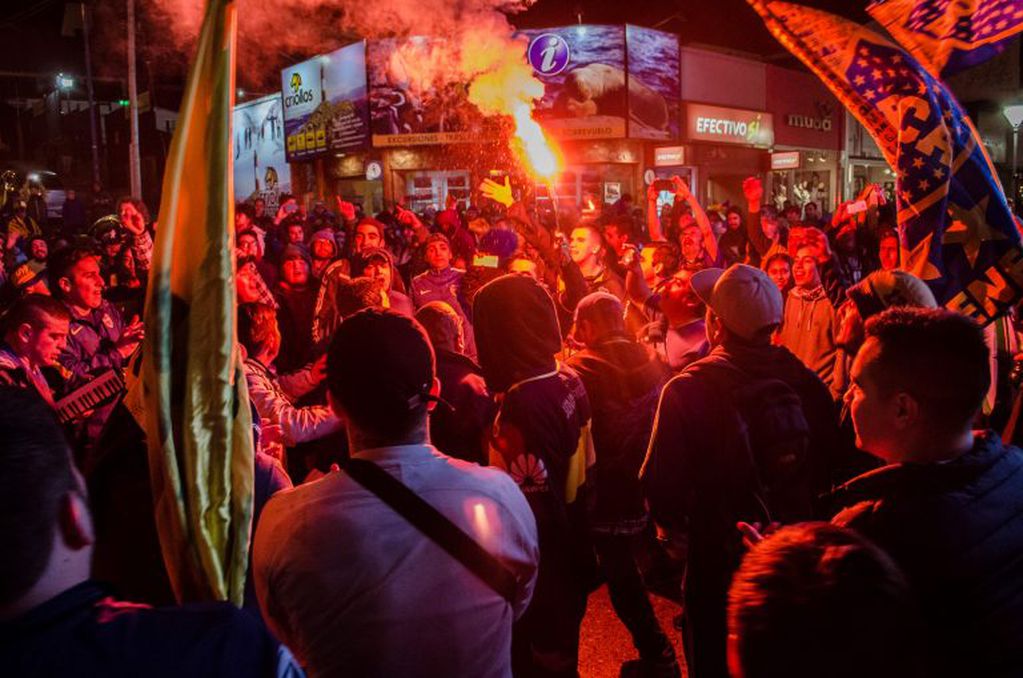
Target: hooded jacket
pixel 394 298
pixel 623 383
pixel 323 235
pixel 541 439
pixel 518 330
pixel 808 330
pixel 458 425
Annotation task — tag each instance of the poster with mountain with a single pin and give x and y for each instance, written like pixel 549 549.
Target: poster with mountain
pixel 325 103
pixel 261 169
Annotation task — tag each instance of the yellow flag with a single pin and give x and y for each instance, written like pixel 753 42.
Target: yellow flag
pixel 198 421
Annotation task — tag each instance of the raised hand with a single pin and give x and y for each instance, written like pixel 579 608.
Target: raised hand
pixel 681 187
pixel 501 193
pixel 134 223
pixel 346 209
pixel 753 190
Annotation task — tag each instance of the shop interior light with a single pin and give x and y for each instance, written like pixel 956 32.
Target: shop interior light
pixel 1014 114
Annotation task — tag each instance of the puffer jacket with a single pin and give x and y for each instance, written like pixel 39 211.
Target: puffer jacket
pixel 956 530
pixel 276 407
pixel 808 330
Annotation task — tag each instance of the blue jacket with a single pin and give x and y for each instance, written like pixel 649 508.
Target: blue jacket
pixel 445 286
pixel 85 632
pixel 956 530
pixel 90 345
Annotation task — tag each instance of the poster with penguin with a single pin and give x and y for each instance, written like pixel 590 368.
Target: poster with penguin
pixel 655 84
pixel 607 82
pixel 583 71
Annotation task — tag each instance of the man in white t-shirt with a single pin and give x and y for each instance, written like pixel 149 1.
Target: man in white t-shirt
pixel 346 581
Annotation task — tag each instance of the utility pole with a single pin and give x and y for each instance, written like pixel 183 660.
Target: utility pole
pixel 92 102
pixel 134 164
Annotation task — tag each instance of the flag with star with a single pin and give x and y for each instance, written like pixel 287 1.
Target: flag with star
pixel 955 227
pixel 947 36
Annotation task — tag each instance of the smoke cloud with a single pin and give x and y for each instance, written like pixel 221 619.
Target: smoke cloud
pixel 273 34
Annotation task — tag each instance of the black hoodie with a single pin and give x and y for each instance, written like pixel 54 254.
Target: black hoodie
pixel 623 382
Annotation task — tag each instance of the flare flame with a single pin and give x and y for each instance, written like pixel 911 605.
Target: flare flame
pixel 501 82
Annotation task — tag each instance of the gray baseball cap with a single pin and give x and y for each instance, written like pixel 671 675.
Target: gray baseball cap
pixel 744 297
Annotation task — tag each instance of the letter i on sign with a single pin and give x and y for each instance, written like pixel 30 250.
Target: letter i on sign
pixel 549 52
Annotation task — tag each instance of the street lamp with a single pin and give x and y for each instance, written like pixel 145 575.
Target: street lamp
pixel 65 83
pixel 1014 114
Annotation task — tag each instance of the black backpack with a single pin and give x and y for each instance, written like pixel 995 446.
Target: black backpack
pixel 773 436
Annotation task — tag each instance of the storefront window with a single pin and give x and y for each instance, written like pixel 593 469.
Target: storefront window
pixel 590 186
pixel 431 189
pixel 873 173
pixel 798 187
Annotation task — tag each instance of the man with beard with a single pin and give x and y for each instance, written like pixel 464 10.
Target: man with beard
pixel 323 249
pixel 38 251
pixel 734 243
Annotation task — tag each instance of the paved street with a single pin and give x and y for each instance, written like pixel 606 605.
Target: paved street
pixel 605 643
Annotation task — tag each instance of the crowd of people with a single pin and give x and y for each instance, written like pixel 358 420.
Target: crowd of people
pixel 468 419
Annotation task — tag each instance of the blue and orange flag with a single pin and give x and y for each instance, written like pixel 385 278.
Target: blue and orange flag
pixel 956 230
pixel 947 36
pixel 196 407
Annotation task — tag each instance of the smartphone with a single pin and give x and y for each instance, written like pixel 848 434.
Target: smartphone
pixel 632 251
pixel 486 260
pixel 290 207
pixel 857 207
pixel 663 185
